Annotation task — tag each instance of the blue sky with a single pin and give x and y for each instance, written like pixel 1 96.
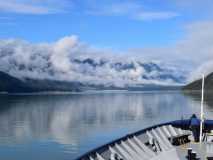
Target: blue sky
pixel 107 23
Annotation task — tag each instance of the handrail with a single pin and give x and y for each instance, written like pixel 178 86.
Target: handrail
pixel 112 143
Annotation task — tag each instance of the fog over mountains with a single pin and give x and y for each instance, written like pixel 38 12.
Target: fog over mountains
pixel 68 60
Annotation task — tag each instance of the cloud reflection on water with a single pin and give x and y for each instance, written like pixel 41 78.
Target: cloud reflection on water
pixel 82 121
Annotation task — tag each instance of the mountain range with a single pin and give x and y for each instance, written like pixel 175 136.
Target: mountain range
pixel 197 85
pixel 12 84
pixel 152 77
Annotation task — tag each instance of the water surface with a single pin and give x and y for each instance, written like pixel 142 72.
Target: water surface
pixel 62 127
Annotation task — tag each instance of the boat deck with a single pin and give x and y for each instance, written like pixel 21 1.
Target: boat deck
pixel 161 142
pixel 202 150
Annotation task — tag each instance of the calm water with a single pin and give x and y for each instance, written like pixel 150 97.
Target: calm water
pixel 61 127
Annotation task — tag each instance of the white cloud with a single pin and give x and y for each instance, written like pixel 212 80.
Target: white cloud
pixel 34 7
pixel 194 51
pixel 155 15
pixel 197 44
pixel 130 9
pixel 62 50
pixel 204 69
pixel 199 6
pixel 70 60
pixel 197 47
pixel 114 9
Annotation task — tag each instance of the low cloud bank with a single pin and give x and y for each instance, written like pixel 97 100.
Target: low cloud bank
pixel 68 59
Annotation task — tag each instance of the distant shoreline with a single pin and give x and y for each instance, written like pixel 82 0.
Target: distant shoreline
pixel 86 92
